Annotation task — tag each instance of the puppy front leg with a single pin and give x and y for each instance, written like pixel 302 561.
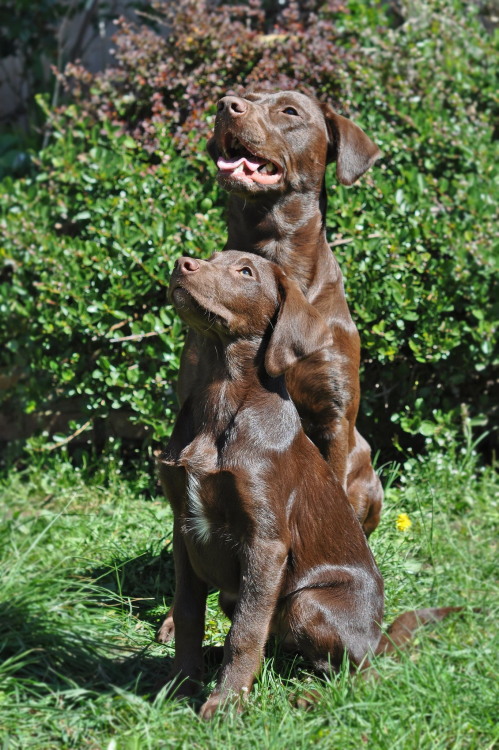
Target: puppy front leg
pixel 188 616
pixel 262 569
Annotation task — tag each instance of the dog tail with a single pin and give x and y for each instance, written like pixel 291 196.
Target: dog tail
pixel 403 627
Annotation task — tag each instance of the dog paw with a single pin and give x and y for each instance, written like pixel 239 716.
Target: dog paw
pixel 181 687
pixel 182 683
pixel 221 700
pixel 166 631
pixel 209 707
pixel 305 700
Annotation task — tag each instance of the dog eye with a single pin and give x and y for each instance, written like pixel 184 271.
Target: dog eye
pixel 290 111
pixel 246 271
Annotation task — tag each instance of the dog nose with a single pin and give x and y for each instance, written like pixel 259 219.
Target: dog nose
pixel 234 105
pixel 187 265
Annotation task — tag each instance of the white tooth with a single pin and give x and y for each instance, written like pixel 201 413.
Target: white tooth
pixel 240 168
pixel 269 168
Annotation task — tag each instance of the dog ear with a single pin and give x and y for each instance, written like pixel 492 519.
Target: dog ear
pixel 349 147
pixel 300 330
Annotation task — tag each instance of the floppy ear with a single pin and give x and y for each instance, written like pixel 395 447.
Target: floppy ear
pixel 298 332
pixel 349 147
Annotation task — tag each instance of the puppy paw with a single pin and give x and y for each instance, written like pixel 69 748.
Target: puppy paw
pixel 209 707
pixel 178 687
pixel 221 700
pixel 166 631
pixel 305 700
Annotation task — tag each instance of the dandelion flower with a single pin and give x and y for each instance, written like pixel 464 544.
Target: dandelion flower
pixel 403 522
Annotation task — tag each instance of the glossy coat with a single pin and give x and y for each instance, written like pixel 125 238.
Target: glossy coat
pixel 258 512
pixel 284 222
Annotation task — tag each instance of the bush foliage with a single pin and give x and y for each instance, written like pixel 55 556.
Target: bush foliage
pixel 125 186
pixel 169 72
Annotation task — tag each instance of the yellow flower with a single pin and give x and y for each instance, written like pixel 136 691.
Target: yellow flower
pixel 403 522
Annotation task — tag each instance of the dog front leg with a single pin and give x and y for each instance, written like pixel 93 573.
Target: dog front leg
pixel 262 569
pixel 188 616
pixel 332 439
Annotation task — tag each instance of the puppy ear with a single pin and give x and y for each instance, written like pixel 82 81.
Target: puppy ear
pixel 349 147
pixel 300 330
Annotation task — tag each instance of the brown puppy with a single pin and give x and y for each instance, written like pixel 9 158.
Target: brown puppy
pixel 272 150
pixel 258 513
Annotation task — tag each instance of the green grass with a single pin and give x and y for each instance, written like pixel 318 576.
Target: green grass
pixel 86 570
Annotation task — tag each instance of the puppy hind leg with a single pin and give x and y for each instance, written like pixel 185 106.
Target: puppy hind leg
pixel 311 632
pixel 312 626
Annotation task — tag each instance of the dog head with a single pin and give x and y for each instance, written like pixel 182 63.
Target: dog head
pixel 266 143
pixel 238 295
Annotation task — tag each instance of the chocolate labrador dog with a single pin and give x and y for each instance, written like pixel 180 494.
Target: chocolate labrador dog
pixel 272 150
pixel 258 513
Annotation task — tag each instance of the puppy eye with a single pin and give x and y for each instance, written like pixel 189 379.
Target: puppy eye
pixel 246 271
pixel 290 111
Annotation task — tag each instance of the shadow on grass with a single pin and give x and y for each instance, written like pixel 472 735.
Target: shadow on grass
pixel 53 636
pixel 145 582
pixel 50 657
pixel 44 659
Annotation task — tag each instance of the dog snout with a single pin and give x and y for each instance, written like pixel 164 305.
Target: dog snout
pixel 187 266
pixel 232 105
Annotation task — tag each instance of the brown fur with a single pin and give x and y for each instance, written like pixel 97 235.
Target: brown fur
pixel 258 513
pixel 285 223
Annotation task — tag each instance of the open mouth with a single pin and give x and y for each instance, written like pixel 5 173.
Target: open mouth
pixel 238 162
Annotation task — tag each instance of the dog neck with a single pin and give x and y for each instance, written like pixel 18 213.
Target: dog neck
pixel 236 390
pixel 288 231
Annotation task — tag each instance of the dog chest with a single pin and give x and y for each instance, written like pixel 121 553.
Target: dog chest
pixel 213 528
pixel 214 508
pixel 197 522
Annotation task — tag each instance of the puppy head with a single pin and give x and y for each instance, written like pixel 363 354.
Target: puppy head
pixel 232 295
pixel 240 295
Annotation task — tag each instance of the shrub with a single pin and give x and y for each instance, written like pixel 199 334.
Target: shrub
pixel 89 237
pixel 423 289
pixel 170 72
pixel 89 243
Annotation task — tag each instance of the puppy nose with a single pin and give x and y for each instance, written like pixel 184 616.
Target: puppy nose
pixel 187 265
pixel 233 105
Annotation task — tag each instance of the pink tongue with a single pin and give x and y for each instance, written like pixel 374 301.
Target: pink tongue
pixel 234 163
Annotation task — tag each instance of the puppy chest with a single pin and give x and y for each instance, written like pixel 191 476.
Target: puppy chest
pixel 198 522
pixel 213 530
pixel 213 511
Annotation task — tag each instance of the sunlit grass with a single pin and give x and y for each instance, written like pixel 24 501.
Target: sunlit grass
pixel 87 574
